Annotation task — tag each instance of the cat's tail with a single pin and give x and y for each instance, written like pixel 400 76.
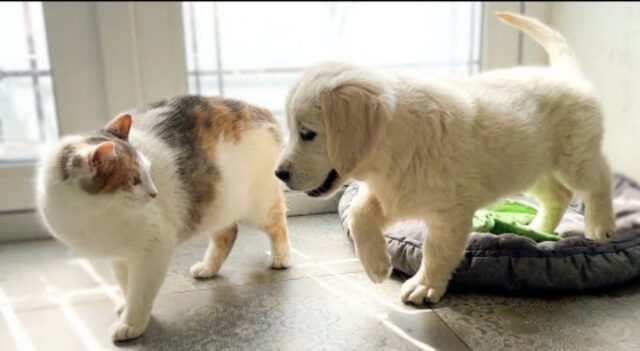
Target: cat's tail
pixel 560 54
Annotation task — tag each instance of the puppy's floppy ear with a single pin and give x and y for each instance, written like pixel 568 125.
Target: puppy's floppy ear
pixel 354 117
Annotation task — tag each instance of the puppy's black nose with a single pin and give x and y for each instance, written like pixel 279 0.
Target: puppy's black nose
pixel 282 174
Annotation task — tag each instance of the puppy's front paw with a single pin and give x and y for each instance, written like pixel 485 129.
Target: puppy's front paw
pixel 280 261
pixel 121 331
pixel 418 291
pixel 202 270
pixel 377 267
pixel 600 233
pixel 600 225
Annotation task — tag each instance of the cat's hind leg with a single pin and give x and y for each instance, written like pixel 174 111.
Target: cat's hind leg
pixel 276 228
pixel 220 244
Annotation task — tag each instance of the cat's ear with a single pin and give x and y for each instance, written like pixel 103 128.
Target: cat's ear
pixel 120 126
pixel 100 155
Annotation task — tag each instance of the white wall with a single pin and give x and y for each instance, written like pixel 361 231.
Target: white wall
pixel 606 38
pixel 501 44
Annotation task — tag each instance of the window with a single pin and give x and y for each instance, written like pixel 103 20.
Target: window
pixel 27 113
pixel 254 51
pixel 69 67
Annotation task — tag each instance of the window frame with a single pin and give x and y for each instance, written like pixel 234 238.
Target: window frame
pixel 106 57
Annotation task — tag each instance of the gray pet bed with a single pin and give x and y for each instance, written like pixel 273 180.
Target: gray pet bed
pixel 513 263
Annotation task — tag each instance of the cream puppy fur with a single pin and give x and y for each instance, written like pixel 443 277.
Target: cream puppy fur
pixel 439 150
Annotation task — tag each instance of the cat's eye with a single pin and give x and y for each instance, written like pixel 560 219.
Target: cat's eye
pixel 135 180
pixel 307 135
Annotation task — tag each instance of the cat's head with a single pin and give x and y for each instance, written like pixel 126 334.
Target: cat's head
pixel 106 163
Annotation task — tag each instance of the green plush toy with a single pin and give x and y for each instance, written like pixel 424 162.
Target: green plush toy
pixel 510 216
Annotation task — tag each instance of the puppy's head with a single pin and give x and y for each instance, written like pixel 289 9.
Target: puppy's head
pixel 336 113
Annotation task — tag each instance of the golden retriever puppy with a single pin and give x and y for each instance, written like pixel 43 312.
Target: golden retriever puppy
pixel 439 150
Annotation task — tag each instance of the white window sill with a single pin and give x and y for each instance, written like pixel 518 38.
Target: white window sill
pixel 12 153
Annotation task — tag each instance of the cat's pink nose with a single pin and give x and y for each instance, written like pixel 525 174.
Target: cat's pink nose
pixel 153 195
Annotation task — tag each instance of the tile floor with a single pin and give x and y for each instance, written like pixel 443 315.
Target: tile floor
pixel 50 299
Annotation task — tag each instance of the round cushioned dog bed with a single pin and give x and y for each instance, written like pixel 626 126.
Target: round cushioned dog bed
pixel 515 263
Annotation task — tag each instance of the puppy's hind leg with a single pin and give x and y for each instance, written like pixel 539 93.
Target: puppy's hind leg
pixel 590 178
pixel 276 229
pixel 554 199
pixel 220 244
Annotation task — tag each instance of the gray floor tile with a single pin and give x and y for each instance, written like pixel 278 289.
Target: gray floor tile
pixel 383 301
pixel 59 301
pixel 313 238
pixel 53 329
pixel 33 271
pixel 292 315
pixel 579 322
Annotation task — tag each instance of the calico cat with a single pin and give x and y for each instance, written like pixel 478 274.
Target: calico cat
pixel 157 176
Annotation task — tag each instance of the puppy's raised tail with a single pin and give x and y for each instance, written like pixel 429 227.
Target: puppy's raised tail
pixel 560 54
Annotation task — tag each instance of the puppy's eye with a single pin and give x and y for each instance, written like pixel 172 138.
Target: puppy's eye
pixel 135 180
pixel 307 135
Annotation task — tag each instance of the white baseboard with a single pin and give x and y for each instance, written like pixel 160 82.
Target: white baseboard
pixel 21 225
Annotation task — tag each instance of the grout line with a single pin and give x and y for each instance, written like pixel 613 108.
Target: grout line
pixel 331 262
pixel 111 289
pixel 306 276
pixel 383 318
pixel 91 272
pixel 438 316
pixel 435 311
pixel 360 288
pixel 61 299
pixel 83 333
pixel 15 328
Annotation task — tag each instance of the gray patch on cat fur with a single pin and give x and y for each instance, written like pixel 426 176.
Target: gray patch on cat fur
pixel 264 118
pixel 76 161
pixel 66 154
pixel 178 128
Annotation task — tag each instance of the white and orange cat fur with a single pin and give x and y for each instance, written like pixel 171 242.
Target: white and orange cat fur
pixel 157 176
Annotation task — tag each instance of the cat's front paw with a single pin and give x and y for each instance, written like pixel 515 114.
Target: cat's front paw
pixel 201 270
pixel 121 331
